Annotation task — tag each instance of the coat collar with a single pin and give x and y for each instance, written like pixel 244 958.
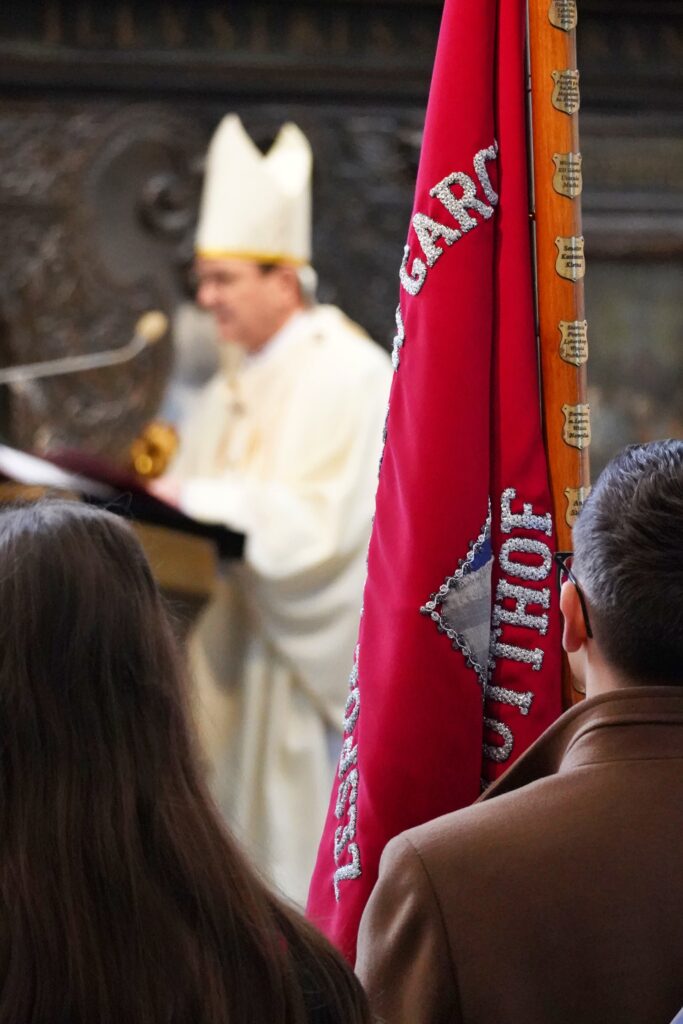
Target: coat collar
pixel 640 722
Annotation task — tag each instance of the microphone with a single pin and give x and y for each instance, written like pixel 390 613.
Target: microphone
pixel 149 329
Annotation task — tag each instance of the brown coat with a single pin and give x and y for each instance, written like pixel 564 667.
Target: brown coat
pixel 558 897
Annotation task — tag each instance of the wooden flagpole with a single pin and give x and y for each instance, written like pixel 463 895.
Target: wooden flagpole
pixel 560 261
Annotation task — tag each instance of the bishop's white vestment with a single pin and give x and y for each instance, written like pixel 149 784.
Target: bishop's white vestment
pixel 284 446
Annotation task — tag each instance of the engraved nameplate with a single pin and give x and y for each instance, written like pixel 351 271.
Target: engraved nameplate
pixel 577 425
pixel 576 497
pixel 574 341
pixel 563 14
pixel 568 180
pixel 565 95
pixel 571 262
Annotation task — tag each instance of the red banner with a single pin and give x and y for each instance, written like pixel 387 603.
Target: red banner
pixel 458 663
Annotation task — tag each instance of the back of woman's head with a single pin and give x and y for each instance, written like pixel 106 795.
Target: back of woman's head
pixel 121 896
pixel 88 674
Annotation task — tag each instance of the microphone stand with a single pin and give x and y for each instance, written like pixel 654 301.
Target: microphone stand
pixel 149 329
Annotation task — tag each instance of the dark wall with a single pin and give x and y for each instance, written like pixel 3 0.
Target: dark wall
pixel 105 113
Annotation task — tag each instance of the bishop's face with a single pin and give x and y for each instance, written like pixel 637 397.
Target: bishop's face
pixel 249 303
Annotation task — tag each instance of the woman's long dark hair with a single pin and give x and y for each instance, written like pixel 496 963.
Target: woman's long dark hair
pixel 123 898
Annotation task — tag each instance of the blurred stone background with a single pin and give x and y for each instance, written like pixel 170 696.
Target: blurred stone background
pixel 105 113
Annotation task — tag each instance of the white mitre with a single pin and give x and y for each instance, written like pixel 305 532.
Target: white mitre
pixel 253 206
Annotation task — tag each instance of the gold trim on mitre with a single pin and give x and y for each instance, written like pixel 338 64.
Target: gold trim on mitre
pixel 249 254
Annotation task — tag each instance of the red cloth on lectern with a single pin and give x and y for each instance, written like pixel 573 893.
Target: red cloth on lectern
pixel 437 703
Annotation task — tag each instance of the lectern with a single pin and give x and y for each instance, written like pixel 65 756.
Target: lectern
pixel 184 554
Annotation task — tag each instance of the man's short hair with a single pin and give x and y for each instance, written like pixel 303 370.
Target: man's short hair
pixel 306 276
pixel 628 544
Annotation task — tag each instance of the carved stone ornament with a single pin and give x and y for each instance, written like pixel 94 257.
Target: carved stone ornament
pixel 96 203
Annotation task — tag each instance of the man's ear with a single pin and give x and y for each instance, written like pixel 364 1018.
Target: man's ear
pixel 290 288
pixel 574 633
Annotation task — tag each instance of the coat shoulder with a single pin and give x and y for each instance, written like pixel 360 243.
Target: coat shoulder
pixel 344 346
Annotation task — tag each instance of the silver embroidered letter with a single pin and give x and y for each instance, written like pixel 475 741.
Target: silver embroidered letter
pixel 513 698
pixel 347 795
pixel 525 520
pixel 499 753
pixel 352 710
pixel 412 281
pixel 399 338
pixel 344 834
pixel 519 569
pixel 349 756
pixel 428 231
pixel 468 201
pixel 522 596
pixel 348 871
pixel 514 653
pixel 480 170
